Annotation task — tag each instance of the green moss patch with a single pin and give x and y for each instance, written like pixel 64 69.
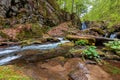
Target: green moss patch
pixel 36 31
pixel 8 73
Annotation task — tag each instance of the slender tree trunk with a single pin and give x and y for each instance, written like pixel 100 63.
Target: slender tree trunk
pixel 72 6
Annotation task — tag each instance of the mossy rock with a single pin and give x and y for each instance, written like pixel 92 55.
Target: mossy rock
pixel 100 31
pixel 29 42
pixel 36 31
pixel 9 73
pixel 68 44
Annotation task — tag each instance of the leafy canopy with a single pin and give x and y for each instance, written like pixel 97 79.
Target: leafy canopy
pixel 94 10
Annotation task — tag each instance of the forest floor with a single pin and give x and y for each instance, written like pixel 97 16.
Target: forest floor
pixel 61 68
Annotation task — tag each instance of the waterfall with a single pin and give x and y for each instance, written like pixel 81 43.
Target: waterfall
pixel 83 26
pixel 112 36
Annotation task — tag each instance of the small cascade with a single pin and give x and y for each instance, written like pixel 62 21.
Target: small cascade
pixel 83 26
pixel 112 36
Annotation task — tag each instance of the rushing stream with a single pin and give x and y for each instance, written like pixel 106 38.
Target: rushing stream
pixel 8 54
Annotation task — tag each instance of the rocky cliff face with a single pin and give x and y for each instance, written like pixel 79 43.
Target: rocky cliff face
pixel 46 12
pixel 29 11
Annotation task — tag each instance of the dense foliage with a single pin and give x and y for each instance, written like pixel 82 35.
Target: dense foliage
pixel 113 45
pixel 105 10
pixel 94 10
pixel 91 52
pixel 74 6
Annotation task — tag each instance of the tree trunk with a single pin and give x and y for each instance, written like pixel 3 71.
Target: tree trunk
pixel 72 6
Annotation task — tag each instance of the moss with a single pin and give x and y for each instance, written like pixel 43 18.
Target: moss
pixel 8 73
pixel 36 31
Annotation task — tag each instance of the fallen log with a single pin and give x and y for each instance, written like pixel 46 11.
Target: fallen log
pixel 92 39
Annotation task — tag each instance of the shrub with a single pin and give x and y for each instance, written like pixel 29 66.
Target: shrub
pixel 81 42
pixel 90 52
pixel 113 45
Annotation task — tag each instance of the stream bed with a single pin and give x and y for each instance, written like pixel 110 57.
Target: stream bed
pixel 10 53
